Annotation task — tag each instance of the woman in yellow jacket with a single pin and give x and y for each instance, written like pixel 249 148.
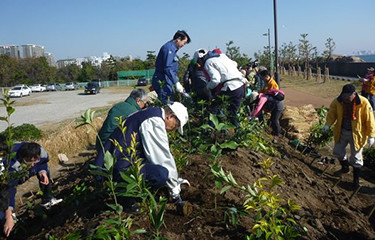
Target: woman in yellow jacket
pixel 269 82
pixel 354 122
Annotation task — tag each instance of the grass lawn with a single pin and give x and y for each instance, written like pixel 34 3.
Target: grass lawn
pixel 329 89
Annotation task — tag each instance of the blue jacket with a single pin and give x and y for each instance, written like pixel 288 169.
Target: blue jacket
pixel 15 166
pixel 166 65
pixel 132 125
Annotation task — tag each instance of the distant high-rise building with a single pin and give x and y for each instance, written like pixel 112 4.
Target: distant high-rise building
pixel 32 51
pixel 11 50
pixel 50 59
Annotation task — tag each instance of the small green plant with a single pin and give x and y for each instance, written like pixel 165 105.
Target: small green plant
pixel 273 218
pixel 118 227
pixel 133 185
pixel 219 134
pixel 317 137
pixel 5 175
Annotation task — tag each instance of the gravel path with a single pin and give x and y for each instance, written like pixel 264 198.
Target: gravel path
pixel 48 107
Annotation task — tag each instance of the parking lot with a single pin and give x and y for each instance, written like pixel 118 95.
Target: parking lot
pixel 48 107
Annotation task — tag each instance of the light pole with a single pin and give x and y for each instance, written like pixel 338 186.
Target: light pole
pixel 269 50
pixel 276 47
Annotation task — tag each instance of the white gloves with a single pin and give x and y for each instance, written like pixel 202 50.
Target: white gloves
pixel 325 128
pixel 370 141
pixel 175 192
pixel 179 87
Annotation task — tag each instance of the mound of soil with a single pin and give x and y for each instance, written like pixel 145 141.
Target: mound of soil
pixel 328 209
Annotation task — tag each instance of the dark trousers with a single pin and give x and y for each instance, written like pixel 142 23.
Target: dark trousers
pixel 235 98
pixel 275 118
pixel 46 189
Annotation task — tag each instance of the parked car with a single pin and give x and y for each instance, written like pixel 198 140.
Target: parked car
pixel 54 87
pixel 92 88
pixel 38 88
pixel 70 86
pixel 98 81
pixel 142 82
pixel 19 91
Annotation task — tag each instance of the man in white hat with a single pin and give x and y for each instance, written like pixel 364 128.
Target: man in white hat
pixel 150 127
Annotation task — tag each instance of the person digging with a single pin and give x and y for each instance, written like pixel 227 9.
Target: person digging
pixel 353 119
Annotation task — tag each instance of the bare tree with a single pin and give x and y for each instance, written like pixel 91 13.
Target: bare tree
pixel 305 48
pixel 330 45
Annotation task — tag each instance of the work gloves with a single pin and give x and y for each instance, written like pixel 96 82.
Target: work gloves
pixel 179 88
pixel 325 128
pixel 175 192
pixel 370 141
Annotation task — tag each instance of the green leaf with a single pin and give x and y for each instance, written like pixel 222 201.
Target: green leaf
pixel 108 160
pixel 214 120
pixel 230 145
pixel 226 188
pixel 206 126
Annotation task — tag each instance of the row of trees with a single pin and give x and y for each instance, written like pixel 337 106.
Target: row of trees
pixel 36 70
pixel 301 54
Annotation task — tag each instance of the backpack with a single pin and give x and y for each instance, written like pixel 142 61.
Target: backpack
pixel 277 94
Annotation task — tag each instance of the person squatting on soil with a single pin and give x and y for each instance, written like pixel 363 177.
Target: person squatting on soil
pixel 368 86
pixel 150 126
pixel 36 159
pixel 224 79
pixel 269 102
pixel 369 75
pixel 135 102
pixel 195 77
pixel 166 67
pixel 269 81
pixel 354 122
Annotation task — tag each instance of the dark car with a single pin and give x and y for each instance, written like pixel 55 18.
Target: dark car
pixel 92 88
pixel 53 87
pixel 142 82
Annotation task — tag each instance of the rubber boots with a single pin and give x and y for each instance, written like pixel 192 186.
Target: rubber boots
pixel 356 175
pixel 344 168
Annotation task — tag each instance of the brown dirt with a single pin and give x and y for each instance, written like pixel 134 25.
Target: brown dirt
pixel 328 211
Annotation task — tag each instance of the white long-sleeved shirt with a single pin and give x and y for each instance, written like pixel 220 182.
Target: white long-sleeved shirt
pixel 221 69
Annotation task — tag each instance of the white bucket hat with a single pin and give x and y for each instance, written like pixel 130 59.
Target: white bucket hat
pixel 182 114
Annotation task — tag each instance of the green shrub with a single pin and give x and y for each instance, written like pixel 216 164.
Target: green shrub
pixel 24 132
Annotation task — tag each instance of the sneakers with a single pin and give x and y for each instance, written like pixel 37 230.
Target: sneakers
pixel 51 202
pixel 275 139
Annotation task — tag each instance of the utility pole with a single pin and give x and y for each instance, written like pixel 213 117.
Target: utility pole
pixel 276 46
pixel 269 50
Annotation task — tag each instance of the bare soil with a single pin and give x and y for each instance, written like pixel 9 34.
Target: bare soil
pixel 329 211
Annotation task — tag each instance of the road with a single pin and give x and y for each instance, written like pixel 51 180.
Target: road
pixel 48 107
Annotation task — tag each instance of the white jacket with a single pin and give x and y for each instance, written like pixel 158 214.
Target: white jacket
pixel 156 147
pixel 222 69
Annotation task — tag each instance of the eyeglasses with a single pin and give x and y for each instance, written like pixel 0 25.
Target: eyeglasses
pixel 31 161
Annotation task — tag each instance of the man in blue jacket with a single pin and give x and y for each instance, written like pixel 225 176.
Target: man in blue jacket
pixel 166 67
pixel 35 158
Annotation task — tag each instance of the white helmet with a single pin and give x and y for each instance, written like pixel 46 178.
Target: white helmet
pixel 199 54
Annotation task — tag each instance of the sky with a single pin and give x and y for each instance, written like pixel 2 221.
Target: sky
pixel 82 28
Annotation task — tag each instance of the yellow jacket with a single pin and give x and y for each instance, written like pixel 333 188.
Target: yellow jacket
pixel 363 125
pixel 269 86
pixel 370 86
